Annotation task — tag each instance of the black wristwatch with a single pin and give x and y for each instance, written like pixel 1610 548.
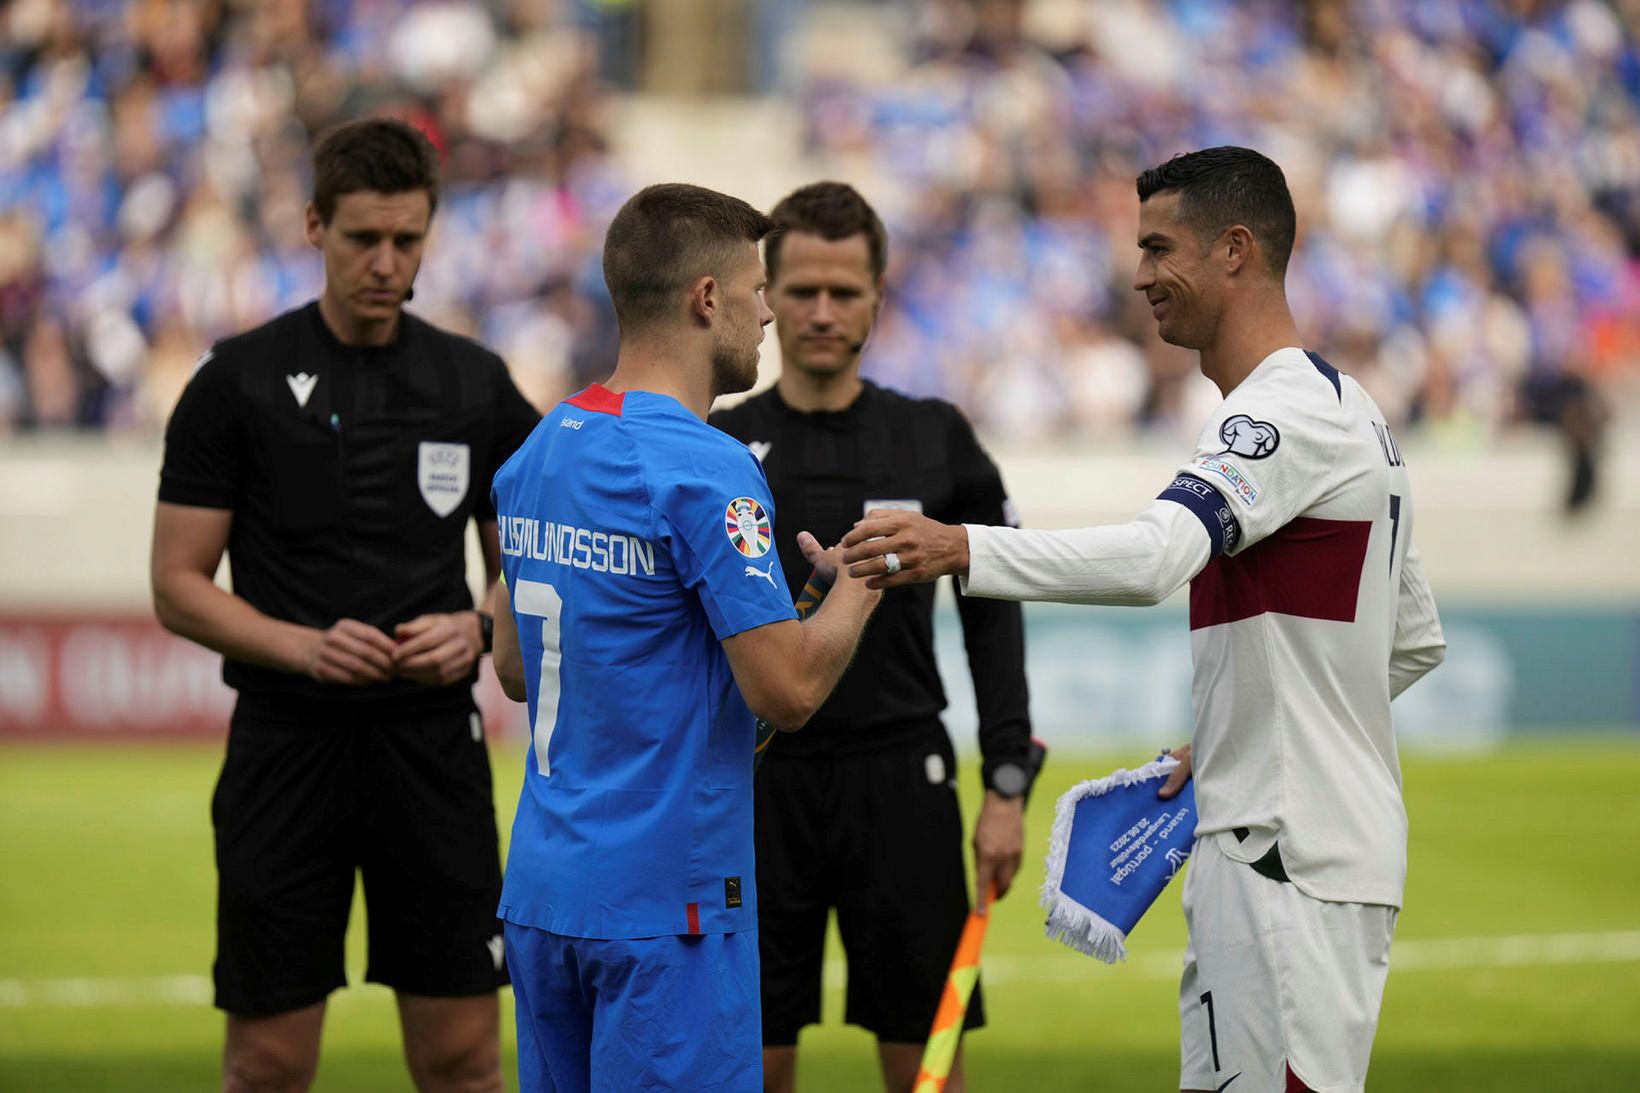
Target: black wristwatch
pixel 1010 781
pixel 486 631
pixel 1013 780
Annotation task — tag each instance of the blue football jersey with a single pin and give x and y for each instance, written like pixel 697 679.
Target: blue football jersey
pixel 634 539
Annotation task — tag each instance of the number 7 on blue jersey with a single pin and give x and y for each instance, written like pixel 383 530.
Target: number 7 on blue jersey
pixel 537 599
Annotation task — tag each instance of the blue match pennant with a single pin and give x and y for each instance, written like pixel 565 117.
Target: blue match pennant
pixel 1114 847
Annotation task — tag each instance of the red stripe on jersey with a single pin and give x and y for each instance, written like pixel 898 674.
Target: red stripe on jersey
pixel 1295 1084
pixel 599 399
pixel 1311 568
pixel 694 917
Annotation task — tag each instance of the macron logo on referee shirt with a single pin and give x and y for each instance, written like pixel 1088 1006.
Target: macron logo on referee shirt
pixel 301 385
pixel 498 951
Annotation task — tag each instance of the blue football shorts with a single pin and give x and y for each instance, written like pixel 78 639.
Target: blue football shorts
pixel 652 1013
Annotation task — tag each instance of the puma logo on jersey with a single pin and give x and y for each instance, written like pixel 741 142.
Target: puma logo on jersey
pixel 301 385
pixel 497 950
pixel 767 574
pixel 760 448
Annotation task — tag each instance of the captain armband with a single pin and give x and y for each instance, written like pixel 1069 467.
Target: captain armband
pixel 1210 507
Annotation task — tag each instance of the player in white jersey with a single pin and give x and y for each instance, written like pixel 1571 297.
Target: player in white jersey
pixel 1309 612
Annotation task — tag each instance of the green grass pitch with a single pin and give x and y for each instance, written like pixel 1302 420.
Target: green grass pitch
pixel 106 918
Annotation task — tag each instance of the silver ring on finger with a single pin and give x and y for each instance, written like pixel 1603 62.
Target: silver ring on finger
pixel 891 563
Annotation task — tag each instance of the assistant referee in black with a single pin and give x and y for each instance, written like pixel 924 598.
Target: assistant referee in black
pixel 337 454
pixel 859 810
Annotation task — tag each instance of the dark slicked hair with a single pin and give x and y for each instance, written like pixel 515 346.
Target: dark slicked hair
pixel 833 211
pixel 1221 187
pixel 381 154
pixel 664 238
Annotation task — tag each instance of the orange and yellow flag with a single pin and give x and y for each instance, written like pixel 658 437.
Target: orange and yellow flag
pixel 946 1034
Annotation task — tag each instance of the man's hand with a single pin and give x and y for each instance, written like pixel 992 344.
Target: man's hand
pixel 830 570
pixel 925 549
pixel 438 650
pixel 351 653
pixel 824 562
pixel 999 845
pixel 1180 775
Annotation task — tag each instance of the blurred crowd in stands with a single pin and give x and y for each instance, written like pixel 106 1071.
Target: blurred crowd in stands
pixel 1467 175
pixel 154 169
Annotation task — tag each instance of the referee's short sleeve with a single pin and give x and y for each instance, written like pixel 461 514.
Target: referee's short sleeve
pixel 204 441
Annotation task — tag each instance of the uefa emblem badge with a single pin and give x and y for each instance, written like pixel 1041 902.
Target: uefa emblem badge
pixel 747 525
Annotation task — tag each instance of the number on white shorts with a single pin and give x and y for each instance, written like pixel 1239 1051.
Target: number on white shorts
pixel 537 599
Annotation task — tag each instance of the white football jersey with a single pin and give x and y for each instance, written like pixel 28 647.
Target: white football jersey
pixel 1293 624
pixel 1310 613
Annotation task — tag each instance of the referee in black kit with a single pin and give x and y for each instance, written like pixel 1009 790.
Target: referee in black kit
pixel 337 453
pixel 859 810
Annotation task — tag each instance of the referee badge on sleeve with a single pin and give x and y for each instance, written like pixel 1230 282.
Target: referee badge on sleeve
pixel 442 471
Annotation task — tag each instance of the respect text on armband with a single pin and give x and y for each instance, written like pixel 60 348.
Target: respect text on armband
pixel 580 548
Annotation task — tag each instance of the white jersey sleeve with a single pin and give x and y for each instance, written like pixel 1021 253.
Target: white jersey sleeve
pixel 1419 643
pixel 1135 564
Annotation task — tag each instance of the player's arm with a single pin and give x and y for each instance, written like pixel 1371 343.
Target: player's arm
pixel 1138 563
pixel 786 669
pixel 188 544
pixel 1420 644
pixel 506 655
pixel 1249 476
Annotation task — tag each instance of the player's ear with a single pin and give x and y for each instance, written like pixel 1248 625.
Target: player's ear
pixel 705 299
pixel 315 225
pixel 1238 245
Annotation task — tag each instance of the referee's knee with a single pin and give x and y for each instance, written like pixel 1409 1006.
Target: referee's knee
pixel 469 1068
pixel 453 1045
pixel 277 1053
pixel 256 1068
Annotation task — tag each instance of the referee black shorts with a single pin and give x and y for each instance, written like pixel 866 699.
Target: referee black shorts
pixel 879 837
pixel 311 794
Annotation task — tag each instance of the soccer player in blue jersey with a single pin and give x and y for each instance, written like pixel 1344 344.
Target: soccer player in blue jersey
pixel 648 622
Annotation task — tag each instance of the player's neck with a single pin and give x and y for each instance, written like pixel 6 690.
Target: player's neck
pixel 810 393
pixel 350 330
pixel 645 366
pixel 1242 343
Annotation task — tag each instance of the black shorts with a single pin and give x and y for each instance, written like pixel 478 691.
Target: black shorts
pixel 311 794
pixel 879 837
